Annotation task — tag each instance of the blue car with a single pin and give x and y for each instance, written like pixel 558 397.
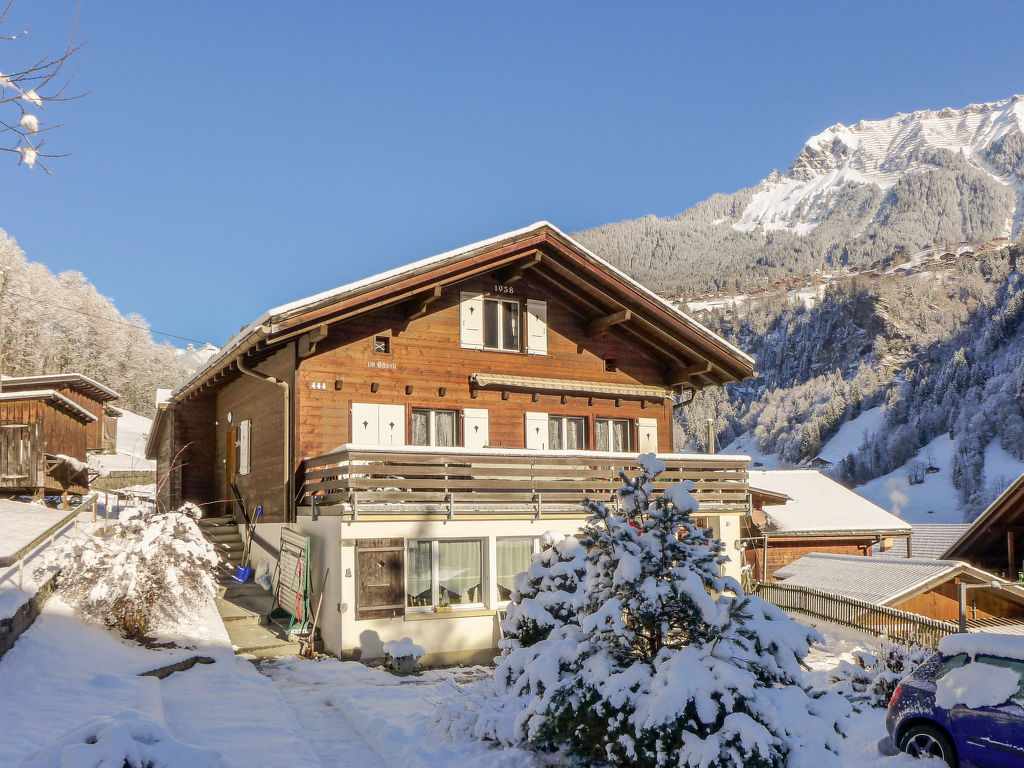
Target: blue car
pixel 964 705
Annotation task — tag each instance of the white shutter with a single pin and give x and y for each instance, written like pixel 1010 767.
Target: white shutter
pixel 364 423
pixel 648 435
pixel 536 431
pixel 536 327
pixel 391 425
pixel 471 320
pixel 474 428
pixel 244 441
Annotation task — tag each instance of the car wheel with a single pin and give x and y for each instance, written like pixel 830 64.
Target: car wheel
pixel 924 740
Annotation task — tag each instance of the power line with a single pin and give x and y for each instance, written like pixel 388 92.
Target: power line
pixel 109 320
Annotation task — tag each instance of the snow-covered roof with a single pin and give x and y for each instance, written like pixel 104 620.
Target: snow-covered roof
pixel 881 580
pixel 292 309
pixel 52 395
pixel 820 505
pixel 928 541
pixel 74 380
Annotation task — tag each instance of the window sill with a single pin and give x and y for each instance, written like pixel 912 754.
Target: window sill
pixel 427 615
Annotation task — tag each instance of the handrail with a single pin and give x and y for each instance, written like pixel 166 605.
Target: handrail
pixel 900 626
pixel 50 532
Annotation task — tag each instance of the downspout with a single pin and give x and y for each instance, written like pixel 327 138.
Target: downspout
pixel 286 478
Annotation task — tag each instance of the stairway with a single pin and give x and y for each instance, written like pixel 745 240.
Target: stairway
pixel 243 607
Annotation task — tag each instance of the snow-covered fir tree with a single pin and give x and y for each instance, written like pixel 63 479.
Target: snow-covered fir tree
pixel 659 660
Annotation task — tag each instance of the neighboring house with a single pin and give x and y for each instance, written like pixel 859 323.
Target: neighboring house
pixel 995 540
pixel 925 587
pixel 101 434
pixel 928 541
pixel 799 511
pixel 425 426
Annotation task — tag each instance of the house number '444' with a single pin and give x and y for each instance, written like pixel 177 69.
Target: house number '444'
pixel 318 385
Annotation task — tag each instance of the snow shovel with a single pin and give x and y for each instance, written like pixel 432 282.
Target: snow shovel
pixel 243 571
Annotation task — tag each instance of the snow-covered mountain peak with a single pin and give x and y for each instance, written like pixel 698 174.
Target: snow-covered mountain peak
pixel 880 152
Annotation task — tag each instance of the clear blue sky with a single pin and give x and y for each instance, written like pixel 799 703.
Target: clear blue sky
pixel 233 156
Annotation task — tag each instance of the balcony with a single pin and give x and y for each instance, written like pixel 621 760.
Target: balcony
pixel 388 483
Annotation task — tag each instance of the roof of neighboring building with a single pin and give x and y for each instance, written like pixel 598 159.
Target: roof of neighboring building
pixel 988 530
pixel 818 505
pixel 542 242
pixel 928 541
pixel 77 381
pixel 881 580
pixel 53 397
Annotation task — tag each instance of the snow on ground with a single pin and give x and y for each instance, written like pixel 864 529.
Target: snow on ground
pixel 851 435
pixel 132 433
pixel 746 445
pixel 936 500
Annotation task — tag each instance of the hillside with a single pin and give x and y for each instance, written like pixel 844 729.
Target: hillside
pixel 853 195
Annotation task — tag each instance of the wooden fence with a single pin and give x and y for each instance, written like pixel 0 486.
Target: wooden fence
pixel 458 480
pixel 899 626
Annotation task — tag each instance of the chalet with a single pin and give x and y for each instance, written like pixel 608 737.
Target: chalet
pixel 925 587
pixel 799 511
pixel 424 427
pixel 101 434
pixel 995 540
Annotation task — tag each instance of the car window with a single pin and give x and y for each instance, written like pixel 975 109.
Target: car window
pixel 949 663
pixel 1015 664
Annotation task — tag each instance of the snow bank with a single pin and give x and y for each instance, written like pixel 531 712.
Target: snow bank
pixel 976 685
pixel 1007 646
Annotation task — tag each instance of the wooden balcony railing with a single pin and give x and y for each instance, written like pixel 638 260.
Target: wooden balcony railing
pixel 356 479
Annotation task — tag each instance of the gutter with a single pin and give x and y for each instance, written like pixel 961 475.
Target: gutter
pixel 286 391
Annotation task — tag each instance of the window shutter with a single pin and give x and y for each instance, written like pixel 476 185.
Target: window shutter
pixel 648 429
pixel 244 441
pixel 536 431
pixel 536 327
pixel 391 425
pixel 474 428
pixel 471 320
pixel 380 578
pixel 364 423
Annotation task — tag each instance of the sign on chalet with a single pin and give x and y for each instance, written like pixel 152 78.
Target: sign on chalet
pixel 425 426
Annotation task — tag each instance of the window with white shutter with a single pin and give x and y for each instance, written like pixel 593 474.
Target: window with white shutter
pixel 474 428
pixel 471 320
pixel 536 431
pixel 536 327
pixel 244 443
pixel 648 435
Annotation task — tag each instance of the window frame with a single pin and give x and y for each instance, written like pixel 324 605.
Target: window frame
pixel 563 420
pixel 630 434
pixel 435 581
pixel 432 426
pixel 500 331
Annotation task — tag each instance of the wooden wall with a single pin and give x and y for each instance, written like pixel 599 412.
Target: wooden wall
pixel 942 602
pixel 192 433
pixel 426 355
pixel 782 553
pixel 94 430
pixel 63 433
pixel 263 404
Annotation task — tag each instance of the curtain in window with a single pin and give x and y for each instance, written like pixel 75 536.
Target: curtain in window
pixel 513 557
pixel 444 428
pixel 418 570
pixel 555 433
pixel 492 313
pixel 510 326
pixel 602 440
pixel 421 428
pixel 574 437
pixel 459 572
pixel 620 435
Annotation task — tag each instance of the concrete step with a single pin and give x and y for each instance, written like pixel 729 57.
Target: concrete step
pixel 232 613
pixel 223 534
pixel 259 641
pixel 213 522
pixel 227 547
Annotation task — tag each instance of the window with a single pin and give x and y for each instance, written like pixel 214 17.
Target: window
pixel 513 557
pixel 613 435
pixel 379 578
pixel 382 345
pixel 433 427
pixel 567 433
pixel 501 324
pixel 444 572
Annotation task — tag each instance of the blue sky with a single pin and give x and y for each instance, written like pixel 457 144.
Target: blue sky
pixel 232 156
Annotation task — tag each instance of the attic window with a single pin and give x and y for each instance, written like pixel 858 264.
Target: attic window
pixel 610 365
pixel 382 345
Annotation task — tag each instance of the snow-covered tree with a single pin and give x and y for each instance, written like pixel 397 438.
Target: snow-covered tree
pixel 661 661
pixel 28 87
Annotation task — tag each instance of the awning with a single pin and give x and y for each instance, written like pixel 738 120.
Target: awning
pixel 567 386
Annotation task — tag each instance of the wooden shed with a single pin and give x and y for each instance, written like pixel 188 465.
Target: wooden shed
pixel 89 394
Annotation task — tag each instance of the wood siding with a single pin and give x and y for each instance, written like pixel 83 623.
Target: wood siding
pixel 93 431
pixel 426 356
pixel 782 553
pixel 51 430
pixel 191 449
pixel 942 602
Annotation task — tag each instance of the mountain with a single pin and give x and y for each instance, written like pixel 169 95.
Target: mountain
pixel 192 359
pixel 853 195
pixel 876 282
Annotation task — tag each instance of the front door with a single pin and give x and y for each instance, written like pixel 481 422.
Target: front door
pixel 229 470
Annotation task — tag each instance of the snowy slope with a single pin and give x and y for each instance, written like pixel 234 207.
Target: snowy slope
pixel 878 152
pixel 132 432
pixel 851 435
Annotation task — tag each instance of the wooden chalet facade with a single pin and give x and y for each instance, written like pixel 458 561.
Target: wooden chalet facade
pixel 995 540
pixel 93 397
pixel 437 419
